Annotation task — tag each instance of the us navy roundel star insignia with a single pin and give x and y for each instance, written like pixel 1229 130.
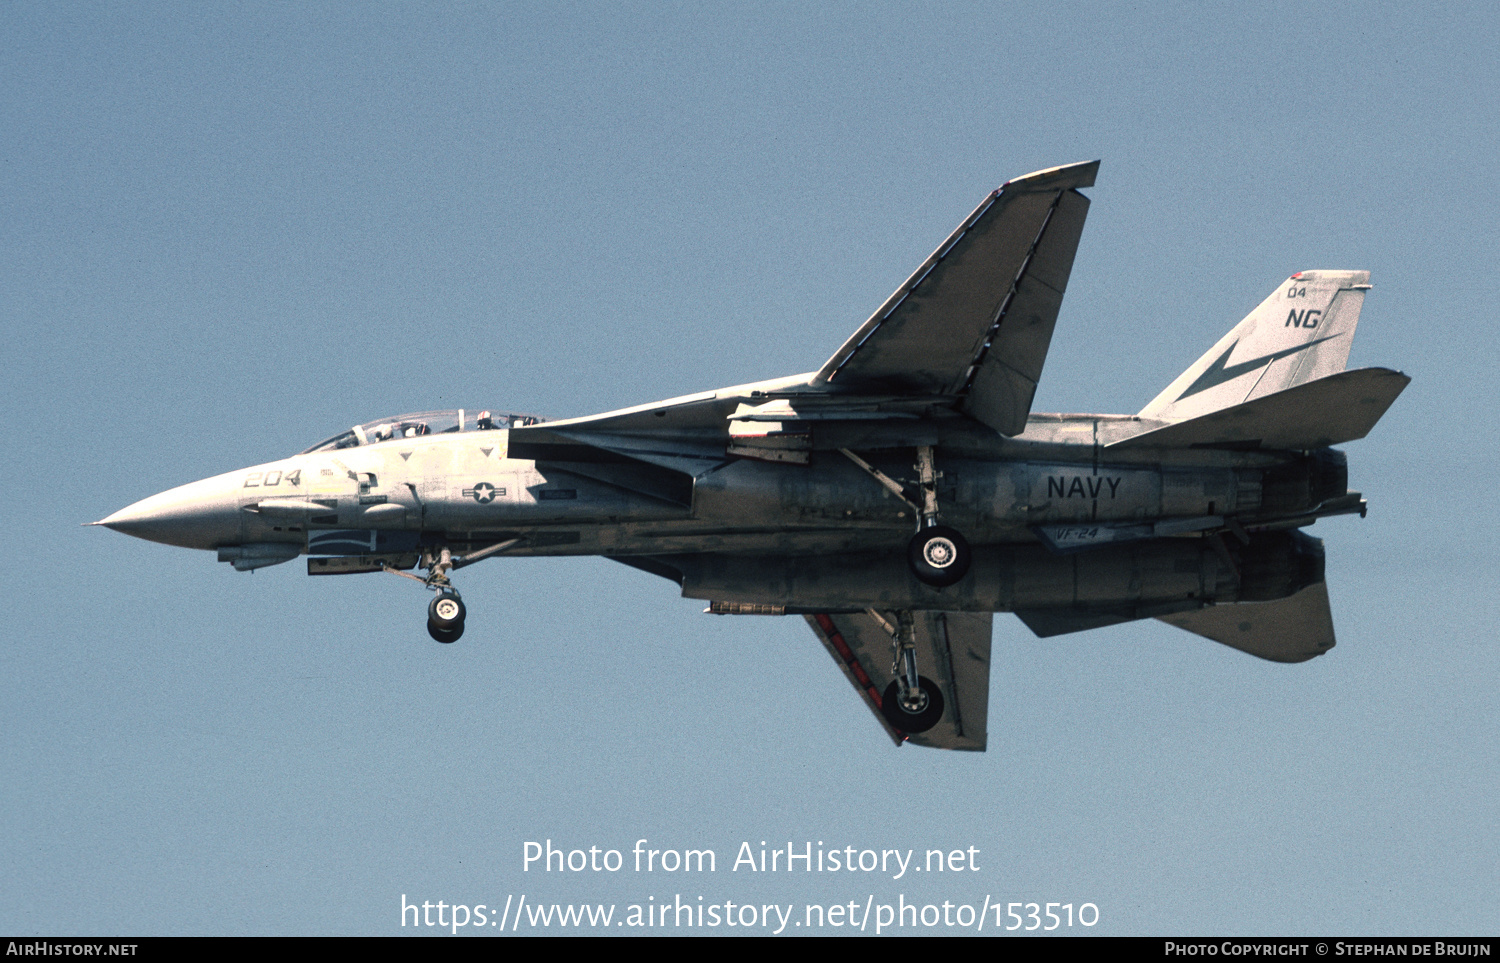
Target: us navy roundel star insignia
pixel 483 493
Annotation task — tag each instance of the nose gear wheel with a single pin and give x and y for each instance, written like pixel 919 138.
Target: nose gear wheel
pixel 445 635
pixel 446 611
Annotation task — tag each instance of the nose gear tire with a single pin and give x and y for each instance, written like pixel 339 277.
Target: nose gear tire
pixel 445 635
pixel 912 722
pixel 446 611
pixel 939 555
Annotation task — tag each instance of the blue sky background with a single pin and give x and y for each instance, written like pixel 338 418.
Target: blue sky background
pixel 228 233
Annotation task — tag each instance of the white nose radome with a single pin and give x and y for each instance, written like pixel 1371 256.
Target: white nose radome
pixel 202 514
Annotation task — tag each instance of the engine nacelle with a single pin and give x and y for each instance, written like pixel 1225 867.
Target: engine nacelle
pixel 1305 483
pixel 1169 573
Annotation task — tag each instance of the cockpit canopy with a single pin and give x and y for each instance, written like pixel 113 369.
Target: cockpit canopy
pixel 421 423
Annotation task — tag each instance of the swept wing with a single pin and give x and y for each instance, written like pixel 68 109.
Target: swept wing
pixel 975 320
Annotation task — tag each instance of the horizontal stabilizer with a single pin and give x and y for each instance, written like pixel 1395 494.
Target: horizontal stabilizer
pixel 1046 623
pixel 1329 411
pixel 1293 629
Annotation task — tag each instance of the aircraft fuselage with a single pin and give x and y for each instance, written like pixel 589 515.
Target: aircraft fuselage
pixel 892 496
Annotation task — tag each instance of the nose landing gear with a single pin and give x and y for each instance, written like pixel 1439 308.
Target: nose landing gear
pixel 446 612
pixel 445 616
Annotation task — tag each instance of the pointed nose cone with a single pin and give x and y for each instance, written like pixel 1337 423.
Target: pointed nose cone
pixel 204 514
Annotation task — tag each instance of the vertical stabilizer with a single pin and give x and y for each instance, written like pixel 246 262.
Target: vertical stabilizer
pixel 1301 333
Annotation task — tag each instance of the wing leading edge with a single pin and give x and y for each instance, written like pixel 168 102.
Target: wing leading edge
pixel 975 321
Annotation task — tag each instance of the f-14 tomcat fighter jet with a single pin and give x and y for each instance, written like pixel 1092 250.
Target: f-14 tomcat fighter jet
pixel 895 497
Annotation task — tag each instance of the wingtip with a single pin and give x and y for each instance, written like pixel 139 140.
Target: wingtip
pixel 1068 176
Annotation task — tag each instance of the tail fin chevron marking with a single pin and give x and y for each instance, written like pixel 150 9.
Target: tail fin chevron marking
pixel 1299 334
pixel 1219 373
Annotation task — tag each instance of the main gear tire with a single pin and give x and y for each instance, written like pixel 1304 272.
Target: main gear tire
pixel 939 555
pixel 917 718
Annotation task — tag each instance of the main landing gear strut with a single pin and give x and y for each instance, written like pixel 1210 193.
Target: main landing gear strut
pixel 938 555
pixel 912 703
